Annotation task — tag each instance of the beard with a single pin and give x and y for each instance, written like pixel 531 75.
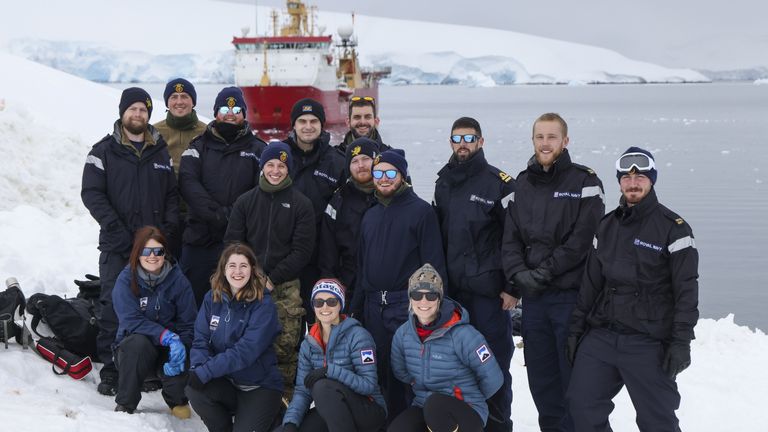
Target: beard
pixel 135 126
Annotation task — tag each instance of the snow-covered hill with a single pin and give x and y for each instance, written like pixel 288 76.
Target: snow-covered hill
pixel 198 46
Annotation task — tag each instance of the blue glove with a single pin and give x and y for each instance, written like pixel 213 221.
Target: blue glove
pixel 172 370
pixel 178 352
pixel 168 337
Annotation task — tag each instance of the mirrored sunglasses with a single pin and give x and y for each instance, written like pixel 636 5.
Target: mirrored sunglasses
pixel 225 110
pixel 331 302
pixel 418 295
pixel 469 138
pixel 365 98
pixel 158 251
pixel 390 173
pixel 639 161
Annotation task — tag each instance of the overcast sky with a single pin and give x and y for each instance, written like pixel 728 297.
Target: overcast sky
pixel 702 34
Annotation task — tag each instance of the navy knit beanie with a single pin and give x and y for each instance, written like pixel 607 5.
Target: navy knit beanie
pixel 179 85
pixel 362 146
pixel 396 157
pixel 132 95
pixel 277 150
pixel 231 97
pixel 308 106
pixel 651 174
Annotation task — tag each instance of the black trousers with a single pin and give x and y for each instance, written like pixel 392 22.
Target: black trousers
pixel 110 266
pixel 220 401
pixel 607 361
pixel 441 413
pixel 198 264
pixel 339 409
pixel 136 359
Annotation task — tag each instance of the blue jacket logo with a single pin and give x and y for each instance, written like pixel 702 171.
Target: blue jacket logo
pixel 483 353
pixel 143 303
pixel 367 356
pixel 567 195
pixel 647 245
pixel 214 324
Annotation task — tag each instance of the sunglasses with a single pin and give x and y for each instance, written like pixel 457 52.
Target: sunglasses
pixel 225 110
pixel 418 295
pixel 638 161
pixel 365 98
pixel 331 302
pixel 469 138
pixel 158 251
pixel 390 173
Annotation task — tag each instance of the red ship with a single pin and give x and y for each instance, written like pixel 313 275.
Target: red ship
pixel 296 62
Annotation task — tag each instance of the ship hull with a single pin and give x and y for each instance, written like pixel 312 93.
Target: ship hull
pixel 269 108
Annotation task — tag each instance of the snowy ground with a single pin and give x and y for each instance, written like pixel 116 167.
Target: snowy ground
pixel 48 121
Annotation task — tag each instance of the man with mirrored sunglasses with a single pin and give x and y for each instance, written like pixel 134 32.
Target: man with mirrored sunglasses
pixel 470 200
pixel 551 219
pixel 397 236
pixel 218 167
pixel 128 182
pixel 638 304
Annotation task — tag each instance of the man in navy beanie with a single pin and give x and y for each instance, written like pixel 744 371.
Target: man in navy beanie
pixel 637 307
pixel 397 236
pixel 181 124
pixel 135 188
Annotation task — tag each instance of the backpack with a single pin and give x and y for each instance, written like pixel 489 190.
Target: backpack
pixel 72 321
pixel 11 304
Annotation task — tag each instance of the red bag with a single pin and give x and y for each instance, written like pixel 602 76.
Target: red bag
pixel 67 362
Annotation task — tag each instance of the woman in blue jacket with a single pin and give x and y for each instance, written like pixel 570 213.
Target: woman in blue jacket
pixel 446 361
pixel 156 312
pixel 337 369
pixel 233 365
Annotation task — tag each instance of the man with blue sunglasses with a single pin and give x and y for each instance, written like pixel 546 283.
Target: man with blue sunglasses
pixel 470 201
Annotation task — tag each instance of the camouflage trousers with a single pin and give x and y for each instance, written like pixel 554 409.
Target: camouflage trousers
pixel 289 312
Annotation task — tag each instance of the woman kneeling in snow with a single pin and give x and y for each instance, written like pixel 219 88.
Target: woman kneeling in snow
pixel 234 367
pixel 337 369
pixel 156 313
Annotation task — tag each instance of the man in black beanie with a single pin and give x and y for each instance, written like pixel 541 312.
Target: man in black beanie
pixel 128 182
pixel 219 166
pixel 340 229
pixel 318 170
pixel 181 123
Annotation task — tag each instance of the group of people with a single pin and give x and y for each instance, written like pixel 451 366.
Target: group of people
pixel 266 278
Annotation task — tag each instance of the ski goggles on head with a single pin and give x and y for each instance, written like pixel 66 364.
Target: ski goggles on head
pixel 639 161
pixel 331 302
pixel 158 251
pixel 469 138
pixel 225 110
pixel 379 174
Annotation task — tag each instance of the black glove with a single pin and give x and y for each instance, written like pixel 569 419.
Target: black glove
pixel 677 358
pixel 314 376
pixel 91 282
pixel 289 427
pixel 222 216
pixel 532 282
pixel 194 381
pixel 571 344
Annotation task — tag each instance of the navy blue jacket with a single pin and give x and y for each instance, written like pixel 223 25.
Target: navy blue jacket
pixel 470 201
pixel 234 339
pixel 213 174
pixel 168 306
pixel 641 275
pixel 340 234
pixel 551 221
pixel 278 226
pixel 396 240
pixel 125 192
pixel 455 360
pixel 351 359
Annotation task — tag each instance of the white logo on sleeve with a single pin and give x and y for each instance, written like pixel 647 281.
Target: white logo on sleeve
pixel 367 356
pixel 483 353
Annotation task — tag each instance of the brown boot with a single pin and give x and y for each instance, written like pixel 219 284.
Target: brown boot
pixel 182 412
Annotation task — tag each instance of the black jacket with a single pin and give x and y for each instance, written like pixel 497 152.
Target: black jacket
pixel 641 275
pixel 470 201
pixel 552 219
pixel 124 191
pixel 278 226
pixel 340 233
pixel 212 176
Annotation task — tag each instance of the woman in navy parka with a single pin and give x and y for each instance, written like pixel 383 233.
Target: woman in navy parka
pixel 234 383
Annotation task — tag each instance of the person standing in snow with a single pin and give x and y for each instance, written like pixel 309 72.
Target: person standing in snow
pixel 156 313
pixel 128 182
pixel 637 307
pixel 551 220
pixel 337 371
pixel 470 200
pixel 234 384
pixel 218 167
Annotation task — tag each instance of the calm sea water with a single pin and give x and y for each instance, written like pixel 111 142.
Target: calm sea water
pixel 710 142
